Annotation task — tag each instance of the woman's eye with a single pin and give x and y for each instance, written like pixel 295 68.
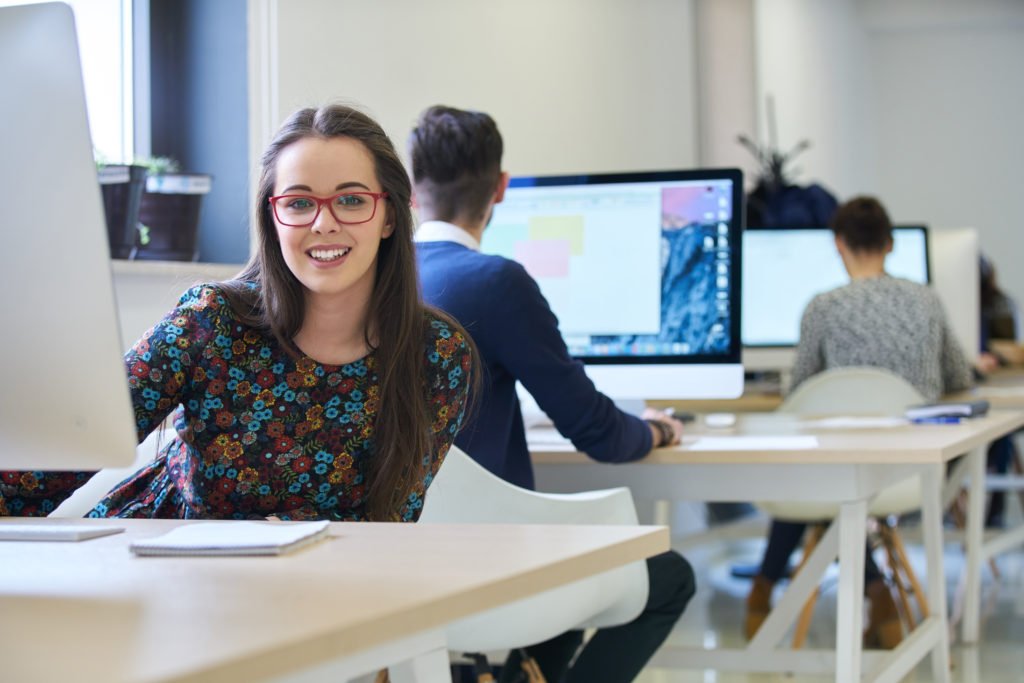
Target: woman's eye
pixel 349 201
pixel 300 204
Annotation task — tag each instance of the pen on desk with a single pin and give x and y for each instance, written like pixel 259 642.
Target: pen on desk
pixel 938 420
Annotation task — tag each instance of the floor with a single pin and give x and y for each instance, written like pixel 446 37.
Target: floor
pixel 716 613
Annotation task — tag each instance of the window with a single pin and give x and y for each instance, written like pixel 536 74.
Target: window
pixel 105 43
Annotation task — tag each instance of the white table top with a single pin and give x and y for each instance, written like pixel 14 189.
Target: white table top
pixel 907 444
pixel 92 611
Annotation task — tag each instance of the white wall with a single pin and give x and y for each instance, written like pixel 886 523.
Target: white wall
pixel 575 85
pixel 948 98
pixel 726 93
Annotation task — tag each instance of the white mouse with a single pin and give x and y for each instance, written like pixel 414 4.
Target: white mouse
pixel 719 420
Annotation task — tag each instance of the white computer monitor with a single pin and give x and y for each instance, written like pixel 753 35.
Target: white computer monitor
pixel 955 255
pixel 64 401
pixel 783 269
pixel 642 271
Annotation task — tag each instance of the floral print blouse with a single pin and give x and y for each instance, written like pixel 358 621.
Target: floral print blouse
pixel 258 432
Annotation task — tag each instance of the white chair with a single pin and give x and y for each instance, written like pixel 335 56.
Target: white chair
pixel 857 391
pixel 464 492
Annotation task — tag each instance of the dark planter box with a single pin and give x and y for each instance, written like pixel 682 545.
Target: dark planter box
pixel 169 216
pixel 121 187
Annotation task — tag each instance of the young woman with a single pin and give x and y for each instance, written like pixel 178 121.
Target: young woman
pixel 315 384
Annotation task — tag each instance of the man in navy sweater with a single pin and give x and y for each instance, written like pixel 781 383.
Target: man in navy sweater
pixel 457 179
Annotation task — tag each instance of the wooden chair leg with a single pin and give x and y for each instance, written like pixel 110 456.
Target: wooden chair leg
pixel 803 624
pixel 915 584
pixel 885 534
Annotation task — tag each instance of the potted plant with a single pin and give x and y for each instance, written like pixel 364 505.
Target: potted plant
pixel 121 186
pixel 169 209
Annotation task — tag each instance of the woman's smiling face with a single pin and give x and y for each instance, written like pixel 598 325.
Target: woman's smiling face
pixel 331 258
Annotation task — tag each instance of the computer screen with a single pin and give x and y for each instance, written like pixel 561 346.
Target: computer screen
pixel 64 401
pixel 783 269
pixel 642 271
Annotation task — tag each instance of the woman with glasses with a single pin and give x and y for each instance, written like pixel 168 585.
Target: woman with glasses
pixel 314 385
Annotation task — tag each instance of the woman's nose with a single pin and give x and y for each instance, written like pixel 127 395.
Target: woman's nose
pixel 326 222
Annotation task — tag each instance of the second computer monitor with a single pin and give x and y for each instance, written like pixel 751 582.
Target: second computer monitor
pixel 642 271
pixel 783 269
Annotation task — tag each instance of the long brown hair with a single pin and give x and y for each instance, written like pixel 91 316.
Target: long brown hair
pixel 397 317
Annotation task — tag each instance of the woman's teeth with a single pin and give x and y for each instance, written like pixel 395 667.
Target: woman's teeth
pixel 328 254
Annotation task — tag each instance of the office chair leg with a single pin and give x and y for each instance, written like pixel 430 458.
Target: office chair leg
pixel 803 624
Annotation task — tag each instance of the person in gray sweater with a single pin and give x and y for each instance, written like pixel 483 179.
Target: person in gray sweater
pixel 880 321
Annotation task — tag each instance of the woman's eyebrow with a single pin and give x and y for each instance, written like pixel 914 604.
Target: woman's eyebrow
pixel 351 183
pixel 338 187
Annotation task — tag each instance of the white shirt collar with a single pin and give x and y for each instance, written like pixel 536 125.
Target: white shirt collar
pixel 441 231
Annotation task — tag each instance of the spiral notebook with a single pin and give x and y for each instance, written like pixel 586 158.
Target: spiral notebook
pixel 233 538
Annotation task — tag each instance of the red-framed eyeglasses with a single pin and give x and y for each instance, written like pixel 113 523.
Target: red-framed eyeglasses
pixel 302 210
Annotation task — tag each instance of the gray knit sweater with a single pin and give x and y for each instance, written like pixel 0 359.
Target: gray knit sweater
pixel 884 322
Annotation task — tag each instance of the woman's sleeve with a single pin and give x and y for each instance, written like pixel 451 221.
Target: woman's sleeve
pixel 450 362
pixel 163 364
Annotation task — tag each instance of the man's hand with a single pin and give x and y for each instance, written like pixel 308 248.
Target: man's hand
pixel 673 424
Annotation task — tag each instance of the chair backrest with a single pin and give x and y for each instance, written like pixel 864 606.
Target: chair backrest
pixel 465 492
pixel 852 391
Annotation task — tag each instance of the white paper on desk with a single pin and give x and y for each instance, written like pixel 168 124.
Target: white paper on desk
pixel 232 538
pixel 755 443
pixel 857 422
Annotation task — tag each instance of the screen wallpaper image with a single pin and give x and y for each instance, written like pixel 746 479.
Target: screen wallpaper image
pixel 695 263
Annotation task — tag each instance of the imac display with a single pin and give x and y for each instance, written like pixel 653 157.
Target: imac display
pixel 64 402
pixel 642 271
pixel 783 269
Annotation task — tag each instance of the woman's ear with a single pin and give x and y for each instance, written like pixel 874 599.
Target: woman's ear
pixel 388 224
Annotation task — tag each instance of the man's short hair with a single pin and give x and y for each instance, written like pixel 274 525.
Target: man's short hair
pixel 456 162
pixel 863 224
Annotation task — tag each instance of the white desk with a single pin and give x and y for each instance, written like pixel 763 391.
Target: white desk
pixel 371 596
pixel 1004 389
pixel 847 467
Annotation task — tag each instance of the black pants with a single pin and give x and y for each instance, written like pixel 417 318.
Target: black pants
pixel 618 654
pixel 1000 454
pixel 783 538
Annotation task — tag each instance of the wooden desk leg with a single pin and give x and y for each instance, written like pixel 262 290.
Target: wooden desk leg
pixel 931 522
pixel 975 529
pixel 852 534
